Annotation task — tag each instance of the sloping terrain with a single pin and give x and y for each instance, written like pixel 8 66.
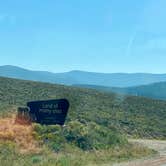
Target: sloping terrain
pixel 94 132
pixel 21 135
pixel 155 90
pixel 135 116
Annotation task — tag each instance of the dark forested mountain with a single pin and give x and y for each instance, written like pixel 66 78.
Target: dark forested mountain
pixel 155 90
pixel 132 115
pixel 81 77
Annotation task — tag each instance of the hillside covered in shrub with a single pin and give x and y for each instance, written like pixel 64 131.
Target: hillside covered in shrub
pixel 154 91
pixel 135 116
pixel 95 131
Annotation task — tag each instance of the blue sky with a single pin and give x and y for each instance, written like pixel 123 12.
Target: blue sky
pixel 92 35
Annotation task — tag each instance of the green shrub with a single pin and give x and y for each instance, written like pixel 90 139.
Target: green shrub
pixel 89 136
pixel 51 135
pixel 78 134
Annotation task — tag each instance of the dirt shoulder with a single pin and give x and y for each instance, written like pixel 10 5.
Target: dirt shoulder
pixel 159 160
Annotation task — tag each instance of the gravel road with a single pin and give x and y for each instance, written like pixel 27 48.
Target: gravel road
pixel 159 160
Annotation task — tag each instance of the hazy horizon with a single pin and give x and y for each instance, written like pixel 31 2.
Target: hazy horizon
pixel 79 71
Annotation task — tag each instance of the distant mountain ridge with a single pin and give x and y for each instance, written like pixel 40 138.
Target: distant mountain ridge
pixel 154 90
pixel 82 77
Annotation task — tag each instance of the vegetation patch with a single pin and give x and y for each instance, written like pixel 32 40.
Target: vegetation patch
pixel 136 116
pixel 71 156
pixel 87 137
pixel 21 135
pixel 93 133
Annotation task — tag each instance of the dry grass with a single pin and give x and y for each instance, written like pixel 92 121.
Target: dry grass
pixel 21 135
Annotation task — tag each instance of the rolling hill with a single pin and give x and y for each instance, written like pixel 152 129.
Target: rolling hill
pixel 95 131
pixel 155 90
pixel 136 116
pixel 82 77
